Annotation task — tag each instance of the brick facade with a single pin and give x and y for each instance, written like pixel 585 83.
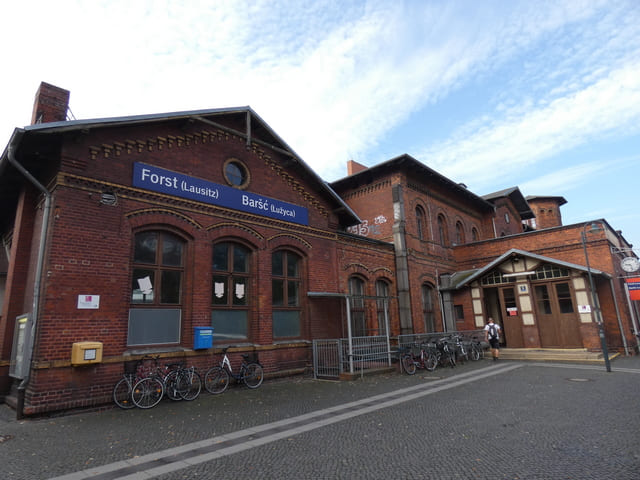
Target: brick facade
pixel 419 234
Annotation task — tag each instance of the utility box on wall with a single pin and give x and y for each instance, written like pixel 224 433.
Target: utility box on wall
pixel 85 353
pixel 202 338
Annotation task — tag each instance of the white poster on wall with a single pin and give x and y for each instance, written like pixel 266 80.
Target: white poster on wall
pixel 89 302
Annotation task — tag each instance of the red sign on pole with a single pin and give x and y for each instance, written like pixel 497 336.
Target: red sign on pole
pixel 633 284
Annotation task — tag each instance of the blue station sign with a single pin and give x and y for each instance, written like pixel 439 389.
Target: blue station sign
pixel 172 183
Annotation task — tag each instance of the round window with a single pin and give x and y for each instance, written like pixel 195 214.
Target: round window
pixel 235 173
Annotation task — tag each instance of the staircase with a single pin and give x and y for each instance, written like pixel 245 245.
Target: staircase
pixel 573 355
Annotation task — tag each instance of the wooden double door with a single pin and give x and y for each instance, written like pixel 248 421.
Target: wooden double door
pixel 556 315
pixel 502 305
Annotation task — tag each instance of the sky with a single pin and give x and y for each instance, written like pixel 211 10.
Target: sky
pixel 542 95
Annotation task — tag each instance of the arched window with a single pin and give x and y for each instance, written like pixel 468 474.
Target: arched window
pixel 358 317
pixel 420 223
pixel 475 236
pixel 156 288
pixel 459 233
pixel 231 297
pixel 442 230
pixel 382 306
pixel 285 293
pixel 428 313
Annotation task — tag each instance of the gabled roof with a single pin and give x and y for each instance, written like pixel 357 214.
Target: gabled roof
pixel 416 169
pixel 35 144
pixel 516 197
pixel 462 279
pixel 559 200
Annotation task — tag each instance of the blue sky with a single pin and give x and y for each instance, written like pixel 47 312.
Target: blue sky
pixel 493 94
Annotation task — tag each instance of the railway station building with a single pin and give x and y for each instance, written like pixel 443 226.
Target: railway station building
pixel 141 235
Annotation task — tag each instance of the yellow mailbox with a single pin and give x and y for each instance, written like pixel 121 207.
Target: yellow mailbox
pixel 85 353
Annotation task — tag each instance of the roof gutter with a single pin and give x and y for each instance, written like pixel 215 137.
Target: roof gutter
pixel 35 309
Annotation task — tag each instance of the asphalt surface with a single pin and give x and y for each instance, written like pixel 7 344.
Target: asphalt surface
pixel 481 420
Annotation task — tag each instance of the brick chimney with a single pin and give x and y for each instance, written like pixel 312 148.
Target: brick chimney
pixel 50 105
pixel 546 210
pixel 354 167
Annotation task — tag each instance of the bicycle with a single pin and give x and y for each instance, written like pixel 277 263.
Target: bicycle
pixel 444 353
pixel 418 357
pixel 460 347
pixel 134 371
pixel 149 390
pixel 173 379
pixel 477 352
pixel 186 381
pixel 251 373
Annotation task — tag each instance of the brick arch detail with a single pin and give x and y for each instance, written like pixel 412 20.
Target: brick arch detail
pixel 237 230
pixel 284 239
pixel 160 216
pixel 384 273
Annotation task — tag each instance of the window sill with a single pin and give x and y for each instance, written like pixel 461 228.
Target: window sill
pixel 154 350
pixel 288 342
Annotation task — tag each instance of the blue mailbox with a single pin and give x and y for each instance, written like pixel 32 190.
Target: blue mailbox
pixel 202 338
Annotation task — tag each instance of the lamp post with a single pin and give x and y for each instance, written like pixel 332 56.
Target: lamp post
pixel 603 341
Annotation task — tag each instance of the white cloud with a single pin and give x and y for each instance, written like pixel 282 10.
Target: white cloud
pixel 562 180
pixel 331 78
pixel 513 141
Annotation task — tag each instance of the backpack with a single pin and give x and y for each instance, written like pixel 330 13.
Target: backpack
pixel 493 332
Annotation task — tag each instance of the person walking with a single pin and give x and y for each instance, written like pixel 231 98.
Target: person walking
pixel 492 335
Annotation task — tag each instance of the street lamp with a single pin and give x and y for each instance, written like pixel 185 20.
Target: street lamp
pixel 594 229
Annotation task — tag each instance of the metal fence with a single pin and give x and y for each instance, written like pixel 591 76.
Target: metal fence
pixel 333 356
pixel 327 358
pixel 405 341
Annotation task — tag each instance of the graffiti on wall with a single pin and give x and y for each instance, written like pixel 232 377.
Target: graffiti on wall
pixel 367 228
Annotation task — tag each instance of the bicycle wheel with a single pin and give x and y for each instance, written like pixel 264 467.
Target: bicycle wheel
pixel 253 375
pixel 189 384
pixel 475 353
pixel 408 364
pixel 122 392
pixel 147 392
pixel 216 380
pixel 431 362
pixel 452 359
pixel 171 385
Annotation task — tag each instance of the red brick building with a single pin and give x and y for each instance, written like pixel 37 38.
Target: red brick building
pixel 129 233
pixel 485 257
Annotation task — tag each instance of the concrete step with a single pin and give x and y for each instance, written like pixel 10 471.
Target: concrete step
pixel 573 355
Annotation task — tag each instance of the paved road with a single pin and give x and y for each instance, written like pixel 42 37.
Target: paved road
pixel 482 420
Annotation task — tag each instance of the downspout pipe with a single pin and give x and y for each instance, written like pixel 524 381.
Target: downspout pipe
pixel 35 310
pixel 615 303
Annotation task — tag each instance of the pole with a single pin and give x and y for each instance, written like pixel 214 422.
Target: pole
pixel 596 303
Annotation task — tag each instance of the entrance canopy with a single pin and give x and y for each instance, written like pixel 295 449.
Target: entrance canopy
pixel 464 278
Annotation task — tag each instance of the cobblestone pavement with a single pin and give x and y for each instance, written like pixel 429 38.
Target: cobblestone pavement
pixel 481 420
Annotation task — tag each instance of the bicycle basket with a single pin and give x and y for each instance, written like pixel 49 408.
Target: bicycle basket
pixel 130 367
pixel 251 357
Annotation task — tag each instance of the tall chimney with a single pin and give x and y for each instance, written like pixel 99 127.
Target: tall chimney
pixel 355 167
pixel 50 105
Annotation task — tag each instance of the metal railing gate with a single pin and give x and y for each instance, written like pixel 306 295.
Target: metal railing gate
pixel 327 359
pixel 335 356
